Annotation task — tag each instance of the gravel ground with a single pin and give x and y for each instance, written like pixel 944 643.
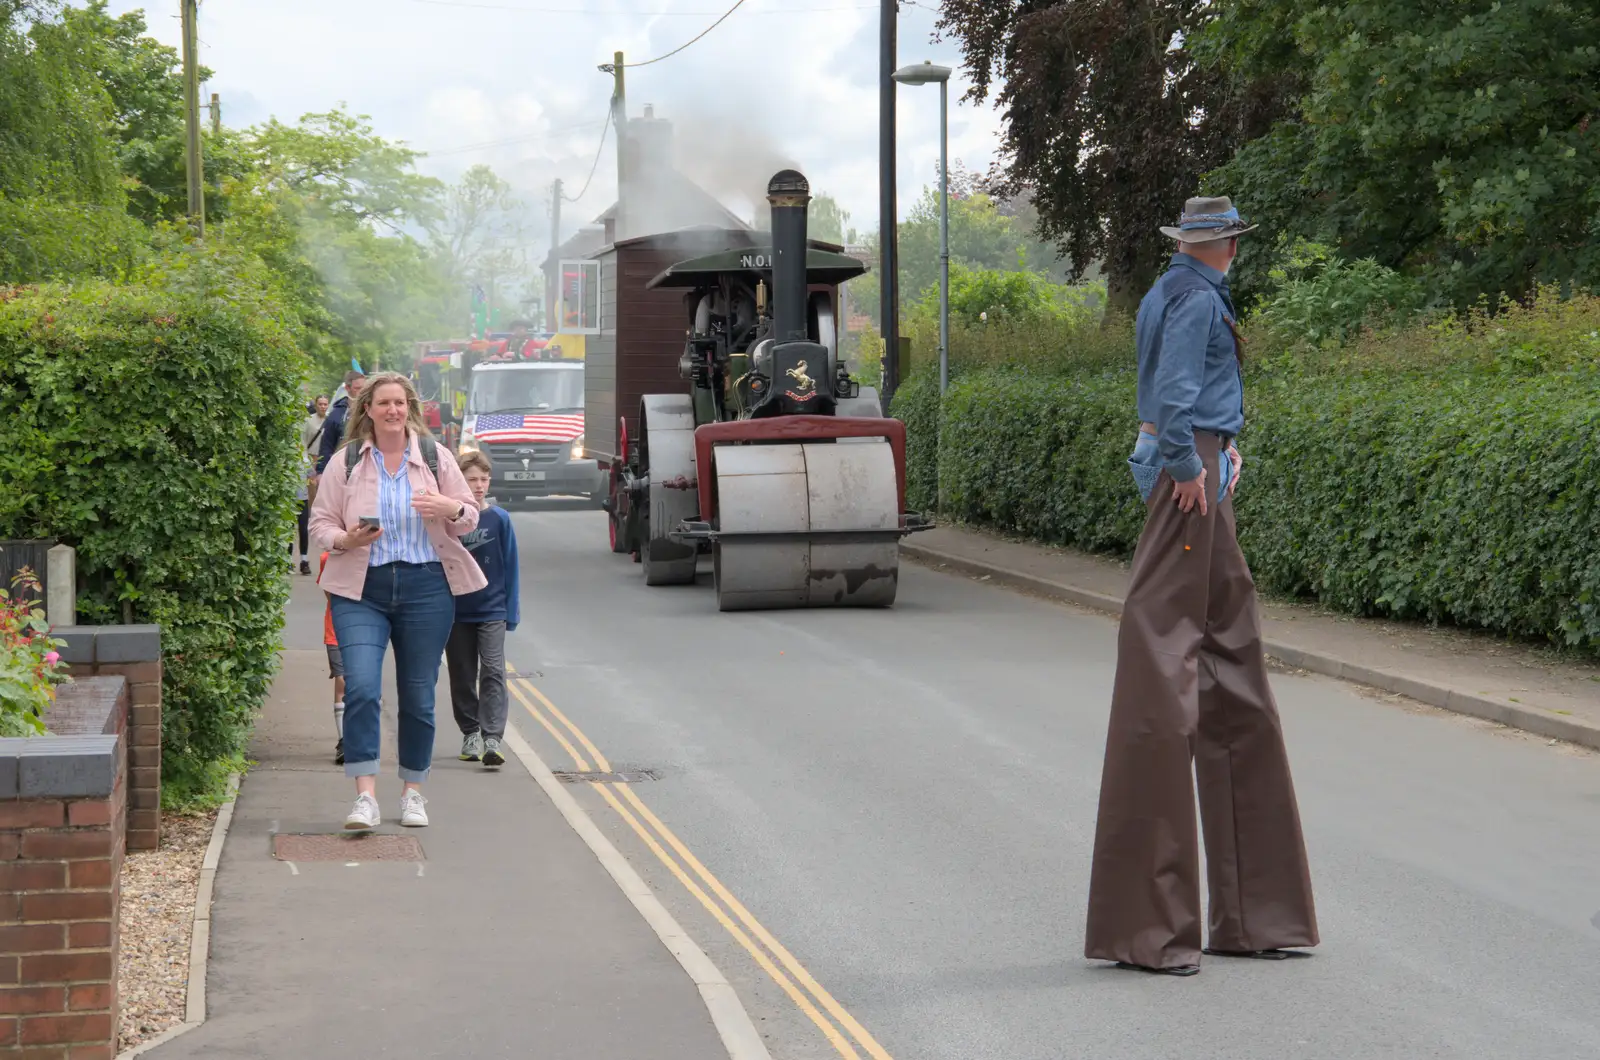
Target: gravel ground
pixel 158 895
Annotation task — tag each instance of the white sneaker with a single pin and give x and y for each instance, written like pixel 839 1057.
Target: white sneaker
pixel 364 814
pixel 412 815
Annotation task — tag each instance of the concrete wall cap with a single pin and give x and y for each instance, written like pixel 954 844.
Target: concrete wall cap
pixel 79 647
pixel 127 644
pixel 53 767
pixel 94 645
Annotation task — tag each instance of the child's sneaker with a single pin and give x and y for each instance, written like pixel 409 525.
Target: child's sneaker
pixel 412 815
pixel 472 747
pixel 338 753
pixel 493 757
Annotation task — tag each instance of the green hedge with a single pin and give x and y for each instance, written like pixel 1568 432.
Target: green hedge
pixel 1465 497
pixel 152 425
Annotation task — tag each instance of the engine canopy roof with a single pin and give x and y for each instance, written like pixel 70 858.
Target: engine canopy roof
pixel 753 263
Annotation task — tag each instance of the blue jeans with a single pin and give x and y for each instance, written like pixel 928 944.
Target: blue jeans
pixel 409 604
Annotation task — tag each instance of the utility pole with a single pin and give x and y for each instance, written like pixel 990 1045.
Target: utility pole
pixel 619 118
pixel 545 303
pixel 888 258
pixel 555 217
pixel 191 114
pixel 216 114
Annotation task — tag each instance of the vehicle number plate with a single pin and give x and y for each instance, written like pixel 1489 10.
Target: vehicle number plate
pixel 524 476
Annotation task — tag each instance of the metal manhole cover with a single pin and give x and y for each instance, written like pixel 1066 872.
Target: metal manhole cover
pixel 618 776
pixel 342 847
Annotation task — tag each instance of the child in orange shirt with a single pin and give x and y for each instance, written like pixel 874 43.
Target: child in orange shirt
pixel 335 669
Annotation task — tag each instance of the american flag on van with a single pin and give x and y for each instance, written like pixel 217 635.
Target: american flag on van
pixel 527 427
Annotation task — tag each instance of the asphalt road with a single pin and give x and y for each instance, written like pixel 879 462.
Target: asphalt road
pixel 905 800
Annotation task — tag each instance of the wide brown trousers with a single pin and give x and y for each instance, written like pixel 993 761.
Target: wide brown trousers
pixel 1191 692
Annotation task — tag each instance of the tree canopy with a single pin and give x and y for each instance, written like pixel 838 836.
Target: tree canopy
pixel 1109 124
pixel 989 233
pixel 365 253
pixel 55 112
pixel 1454 141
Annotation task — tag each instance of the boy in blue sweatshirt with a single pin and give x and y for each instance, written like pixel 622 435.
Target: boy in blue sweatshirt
pixel 476 651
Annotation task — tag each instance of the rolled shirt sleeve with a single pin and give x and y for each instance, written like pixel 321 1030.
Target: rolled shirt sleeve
pixel 1180 371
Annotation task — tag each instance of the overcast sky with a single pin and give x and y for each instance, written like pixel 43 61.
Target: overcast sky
pixel 514 83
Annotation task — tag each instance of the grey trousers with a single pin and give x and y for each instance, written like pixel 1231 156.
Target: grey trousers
pixel 476 656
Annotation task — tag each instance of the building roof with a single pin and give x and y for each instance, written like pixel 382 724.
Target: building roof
pixel 710 213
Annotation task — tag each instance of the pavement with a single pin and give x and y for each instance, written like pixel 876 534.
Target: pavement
pixel 878 824
pixel 1525 686
pixel 508 938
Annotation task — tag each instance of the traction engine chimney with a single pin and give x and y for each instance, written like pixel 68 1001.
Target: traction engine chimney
pixel 789 195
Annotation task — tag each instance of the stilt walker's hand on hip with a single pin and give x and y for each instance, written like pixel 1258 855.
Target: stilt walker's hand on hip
pixel 1190 493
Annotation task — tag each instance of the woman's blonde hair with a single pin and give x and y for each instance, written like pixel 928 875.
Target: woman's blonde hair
pixel 358 426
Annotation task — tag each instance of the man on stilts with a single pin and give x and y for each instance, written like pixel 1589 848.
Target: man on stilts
pixel 1191 690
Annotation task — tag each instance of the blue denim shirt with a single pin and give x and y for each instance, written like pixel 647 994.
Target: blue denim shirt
pixel 1189 376
pixel 1145 462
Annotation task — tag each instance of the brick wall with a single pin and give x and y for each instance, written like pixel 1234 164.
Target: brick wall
pixel 63 817
pixel 132 652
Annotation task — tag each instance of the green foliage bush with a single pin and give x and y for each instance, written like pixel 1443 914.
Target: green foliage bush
pixel 1060 344
pixel 1320 298
pixel 1464 492
pixel 152 425
pixel 42 239
pixel 996 296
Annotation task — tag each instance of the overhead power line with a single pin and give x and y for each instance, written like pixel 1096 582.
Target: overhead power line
pixel 473 4
pixel 611 67
pixel 594 168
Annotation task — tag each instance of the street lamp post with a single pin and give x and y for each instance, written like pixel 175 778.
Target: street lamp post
pixel 923 74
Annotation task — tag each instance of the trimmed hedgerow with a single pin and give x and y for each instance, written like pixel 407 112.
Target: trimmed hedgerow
pixel 1467 495
pixel 916 403
pixel 152 425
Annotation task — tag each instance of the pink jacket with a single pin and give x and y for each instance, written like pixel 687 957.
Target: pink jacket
pixel 339 504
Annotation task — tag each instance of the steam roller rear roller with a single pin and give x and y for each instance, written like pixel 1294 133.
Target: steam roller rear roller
pixel 806 525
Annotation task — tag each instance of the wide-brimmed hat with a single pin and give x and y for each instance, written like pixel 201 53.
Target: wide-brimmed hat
pixel 1204 220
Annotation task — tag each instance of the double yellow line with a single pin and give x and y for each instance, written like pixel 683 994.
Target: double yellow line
pixel 792 976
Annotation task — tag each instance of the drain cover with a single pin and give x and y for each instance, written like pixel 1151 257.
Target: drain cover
pixel 619 776
pixel 342 847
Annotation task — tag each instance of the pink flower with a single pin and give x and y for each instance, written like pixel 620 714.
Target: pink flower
pixel 52 657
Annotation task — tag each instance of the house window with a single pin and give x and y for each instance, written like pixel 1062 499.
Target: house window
pixel 579 305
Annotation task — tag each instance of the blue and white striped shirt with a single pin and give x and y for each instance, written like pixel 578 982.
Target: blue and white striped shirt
pixel 405 536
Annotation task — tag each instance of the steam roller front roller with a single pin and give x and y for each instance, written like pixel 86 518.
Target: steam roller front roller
pixel 668 460
pixel 806 525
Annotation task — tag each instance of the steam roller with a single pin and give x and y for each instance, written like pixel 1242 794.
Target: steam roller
pixel 775 462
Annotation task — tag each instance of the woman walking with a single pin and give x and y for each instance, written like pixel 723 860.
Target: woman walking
pixel 391 513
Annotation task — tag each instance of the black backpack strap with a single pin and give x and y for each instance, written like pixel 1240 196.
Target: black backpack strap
pixel 430 455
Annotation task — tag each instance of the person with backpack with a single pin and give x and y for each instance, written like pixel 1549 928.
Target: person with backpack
pixel 392 515
pixel 333 425
pixel 310 439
